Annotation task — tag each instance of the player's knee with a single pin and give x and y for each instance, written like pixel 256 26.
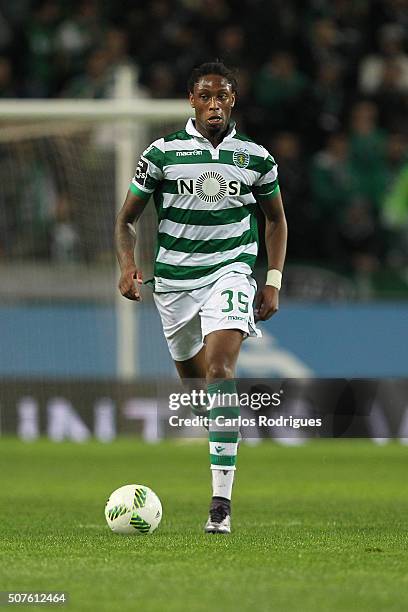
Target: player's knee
pixel 219 370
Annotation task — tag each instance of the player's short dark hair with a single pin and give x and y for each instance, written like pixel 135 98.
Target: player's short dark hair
pixel 212 68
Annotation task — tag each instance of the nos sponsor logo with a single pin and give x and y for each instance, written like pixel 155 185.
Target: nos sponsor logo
pixel 209 187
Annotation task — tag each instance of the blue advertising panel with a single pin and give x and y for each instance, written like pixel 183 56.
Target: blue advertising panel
pixel 346 340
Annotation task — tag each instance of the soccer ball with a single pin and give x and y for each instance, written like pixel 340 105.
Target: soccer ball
pixel 133 509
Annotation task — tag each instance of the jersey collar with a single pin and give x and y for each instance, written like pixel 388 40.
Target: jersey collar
pixel 191 129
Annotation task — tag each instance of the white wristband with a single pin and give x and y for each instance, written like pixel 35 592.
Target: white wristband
pixel 274 278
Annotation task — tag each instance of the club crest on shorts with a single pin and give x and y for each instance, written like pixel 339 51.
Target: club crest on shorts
pixel 241 158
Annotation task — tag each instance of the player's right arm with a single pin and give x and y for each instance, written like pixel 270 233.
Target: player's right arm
pixel 125 242
pixel 149 173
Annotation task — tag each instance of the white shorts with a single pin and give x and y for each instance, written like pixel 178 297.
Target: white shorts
pixel 189 316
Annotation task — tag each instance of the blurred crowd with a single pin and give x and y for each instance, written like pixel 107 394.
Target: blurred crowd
pixel 323 84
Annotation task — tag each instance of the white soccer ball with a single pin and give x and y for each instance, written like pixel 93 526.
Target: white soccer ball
pixel 133 509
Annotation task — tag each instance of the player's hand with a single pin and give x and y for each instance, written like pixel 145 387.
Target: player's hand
pixel 266 303
pixel 129 283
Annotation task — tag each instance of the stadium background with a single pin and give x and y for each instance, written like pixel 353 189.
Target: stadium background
pixel 323 85
pixel 317 525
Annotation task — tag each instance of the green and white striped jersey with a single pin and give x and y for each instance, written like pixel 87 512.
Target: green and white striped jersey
pixel 205 199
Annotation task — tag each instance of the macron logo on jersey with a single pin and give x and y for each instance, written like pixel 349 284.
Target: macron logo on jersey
pixel 185 153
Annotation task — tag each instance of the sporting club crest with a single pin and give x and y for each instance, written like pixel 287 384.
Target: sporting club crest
pixel 241 158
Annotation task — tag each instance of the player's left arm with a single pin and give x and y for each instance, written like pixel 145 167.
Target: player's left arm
pixel 276 233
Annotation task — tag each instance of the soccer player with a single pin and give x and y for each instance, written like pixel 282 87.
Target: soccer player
pixel 207 180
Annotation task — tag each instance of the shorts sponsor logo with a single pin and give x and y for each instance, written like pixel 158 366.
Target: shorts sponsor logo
pixel 241 158
pixel 235 318
pixel 209 187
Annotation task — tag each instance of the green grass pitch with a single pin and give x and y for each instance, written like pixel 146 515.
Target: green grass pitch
pixel 317 527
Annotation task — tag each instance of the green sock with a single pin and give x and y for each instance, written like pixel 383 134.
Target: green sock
pixel 224 428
